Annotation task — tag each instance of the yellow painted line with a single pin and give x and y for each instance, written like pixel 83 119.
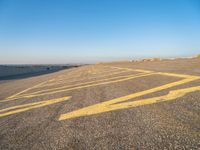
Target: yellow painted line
pixel 176 75
pixel 70 77
pixel 79 84
pixel 15 95
pixel 45 85
pixel 160 73
pixel 63 78
pixel 33 87
pixel 111 105
pixel 139 70
pixel 90 82
pixel 26 107
pixel 106 71
pixel 163 73
pixel 89 78
pixel 81 87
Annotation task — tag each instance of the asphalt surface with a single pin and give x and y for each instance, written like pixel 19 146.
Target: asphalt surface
pixel 121 105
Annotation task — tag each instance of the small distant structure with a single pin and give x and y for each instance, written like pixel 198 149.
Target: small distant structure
pixel 146 59
pixel 165 59
pixel 151 59
pixel 198 56
pixel 134 60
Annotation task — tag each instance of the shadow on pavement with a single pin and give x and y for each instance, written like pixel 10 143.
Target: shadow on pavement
pixel 28 75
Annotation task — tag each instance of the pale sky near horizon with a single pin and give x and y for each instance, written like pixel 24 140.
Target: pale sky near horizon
pixel 87 31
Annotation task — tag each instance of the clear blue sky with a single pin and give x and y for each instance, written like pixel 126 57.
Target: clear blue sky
pixel 64 31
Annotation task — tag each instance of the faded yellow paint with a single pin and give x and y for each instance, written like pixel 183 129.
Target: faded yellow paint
pixel 79 87
pixel 80 80
pixel 63 81
pixel 15 95
pixel 26 107
pixel 111 105
pixel 62 78
pixel 161 73
pixel 89 82
pixel 130 69
pixel 28 89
